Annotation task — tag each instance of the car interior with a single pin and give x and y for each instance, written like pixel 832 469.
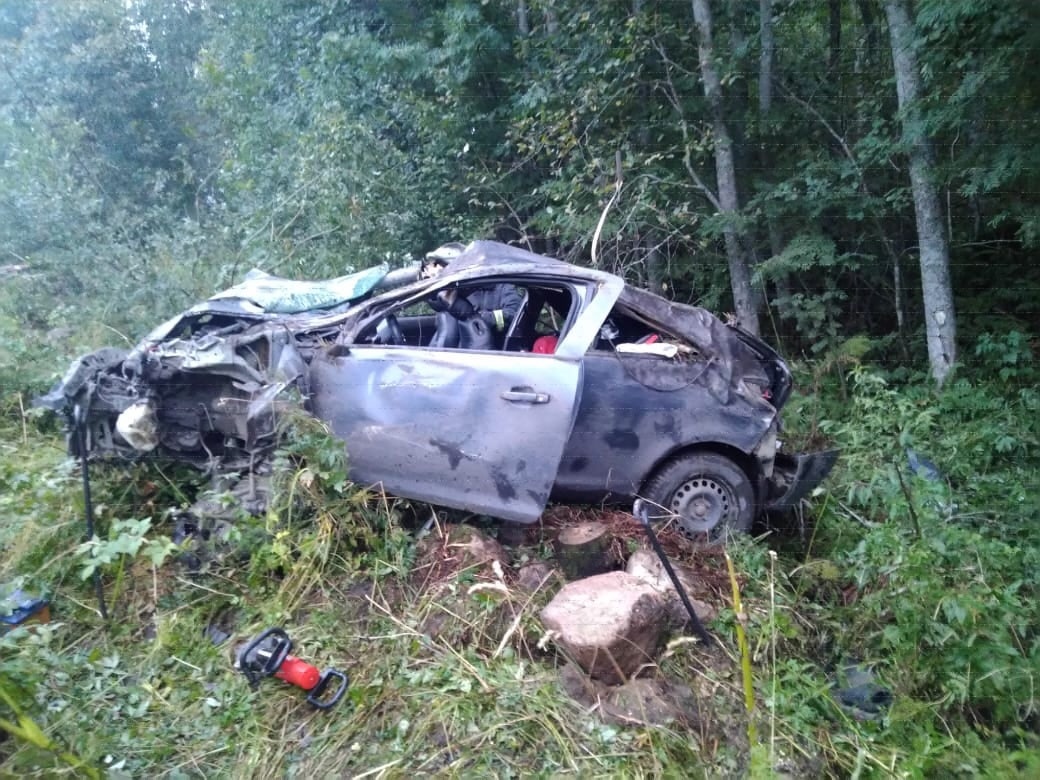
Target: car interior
pixel 546 312
pixel 621 328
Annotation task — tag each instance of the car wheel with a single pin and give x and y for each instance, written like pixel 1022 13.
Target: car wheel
pixel 708 495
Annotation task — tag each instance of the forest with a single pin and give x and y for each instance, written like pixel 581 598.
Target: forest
pixel 856 181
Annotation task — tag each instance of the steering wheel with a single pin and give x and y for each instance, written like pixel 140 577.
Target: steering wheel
pixel 388 331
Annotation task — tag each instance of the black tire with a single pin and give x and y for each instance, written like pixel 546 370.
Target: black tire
pixel 708 495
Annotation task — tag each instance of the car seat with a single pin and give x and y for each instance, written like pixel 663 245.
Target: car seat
pixel 545 345
pixel 446 336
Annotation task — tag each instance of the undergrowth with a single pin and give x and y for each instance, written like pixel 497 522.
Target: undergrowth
pixel 925 576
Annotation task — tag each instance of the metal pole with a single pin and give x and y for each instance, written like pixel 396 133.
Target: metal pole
pixel 643 515
pixel 80 424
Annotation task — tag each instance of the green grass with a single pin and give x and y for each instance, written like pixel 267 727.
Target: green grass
pixel 934 584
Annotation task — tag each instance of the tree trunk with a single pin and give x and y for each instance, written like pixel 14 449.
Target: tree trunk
pixel 937 290
pixel 766 156
pixel 552 23
pixel 655 268
pixel 766 57
pixel 523 25
pixel 834 43
pixel 868 52
pixel 738 92
pixel 652 261
pixel 583 550
pixel 725 172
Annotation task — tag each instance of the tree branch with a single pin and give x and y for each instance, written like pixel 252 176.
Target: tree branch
pixel 673 97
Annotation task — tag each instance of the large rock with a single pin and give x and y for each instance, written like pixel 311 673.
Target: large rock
pixel 611 624
pixel 647 567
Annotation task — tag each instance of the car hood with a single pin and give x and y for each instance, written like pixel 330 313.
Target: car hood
pixel 261 296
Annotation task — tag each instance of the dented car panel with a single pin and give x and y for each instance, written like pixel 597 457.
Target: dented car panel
pixel 619 438
pixel 479 431
pixel 594 391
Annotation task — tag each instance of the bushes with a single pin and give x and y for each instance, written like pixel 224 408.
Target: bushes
pixel 932 582
pixel 940 575
pixel 952 618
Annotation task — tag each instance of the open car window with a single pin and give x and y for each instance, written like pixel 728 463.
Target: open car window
pixel 519 315
pixel 625 332
pixel 547 315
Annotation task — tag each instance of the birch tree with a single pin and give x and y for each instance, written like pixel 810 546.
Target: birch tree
pixel 725 171
pixel 936 287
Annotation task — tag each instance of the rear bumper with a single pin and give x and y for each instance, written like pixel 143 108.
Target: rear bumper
pixel 796 475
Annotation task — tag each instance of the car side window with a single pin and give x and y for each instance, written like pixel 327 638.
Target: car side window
pixel 621 328
pixel 508 315
pixel 549 311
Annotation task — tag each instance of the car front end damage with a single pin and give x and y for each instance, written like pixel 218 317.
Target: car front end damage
pixel 208 388
pixel 788 478
pixel 208 399
pixel 205 387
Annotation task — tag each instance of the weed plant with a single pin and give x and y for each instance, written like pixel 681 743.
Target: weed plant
pixel 930 581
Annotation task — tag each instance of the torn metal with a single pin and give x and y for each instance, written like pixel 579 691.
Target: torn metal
pixel 588 393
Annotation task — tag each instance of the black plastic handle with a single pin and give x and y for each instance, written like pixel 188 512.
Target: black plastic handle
pixel 251 661
pixel 315 697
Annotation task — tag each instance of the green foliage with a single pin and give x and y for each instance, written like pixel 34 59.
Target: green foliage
pixel 25 728
pixel 959 635
pixel 934 579
pixel 817 313
pixel 944 609
pixel 1008 356
pixel 126 540
pixel 312 486
pixel 361 133
pixel 151 152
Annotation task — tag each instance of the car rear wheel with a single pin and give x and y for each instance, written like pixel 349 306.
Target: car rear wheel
pixel 707 495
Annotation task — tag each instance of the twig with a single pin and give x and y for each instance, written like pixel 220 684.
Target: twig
pixel 519 615
pixel 618 182
pixel 859 518
pixel 203 587
pixel 673 98
pixel 119 333
pixel 909 500
pixel 378 769
pixel 194 759
pixel 185 663
pixel 745 654
pixel 25 428
pixel 772 656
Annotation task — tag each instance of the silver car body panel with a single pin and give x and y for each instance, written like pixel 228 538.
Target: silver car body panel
pixel 478 431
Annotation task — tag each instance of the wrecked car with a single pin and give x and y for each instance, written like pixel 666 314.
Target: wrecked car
pixel 592 391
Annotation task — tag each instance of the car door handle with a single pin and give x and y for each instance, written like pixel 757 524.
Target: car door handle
pixel 525 395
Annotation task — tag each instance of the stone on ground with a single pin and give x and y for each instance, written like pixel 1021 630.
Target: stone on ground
pixel 645 701
pixel 536 576
pixel 611 625
pixel 647 567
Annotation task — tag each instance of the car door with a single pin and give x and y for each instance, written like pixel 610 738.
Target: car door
pixel 480 431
